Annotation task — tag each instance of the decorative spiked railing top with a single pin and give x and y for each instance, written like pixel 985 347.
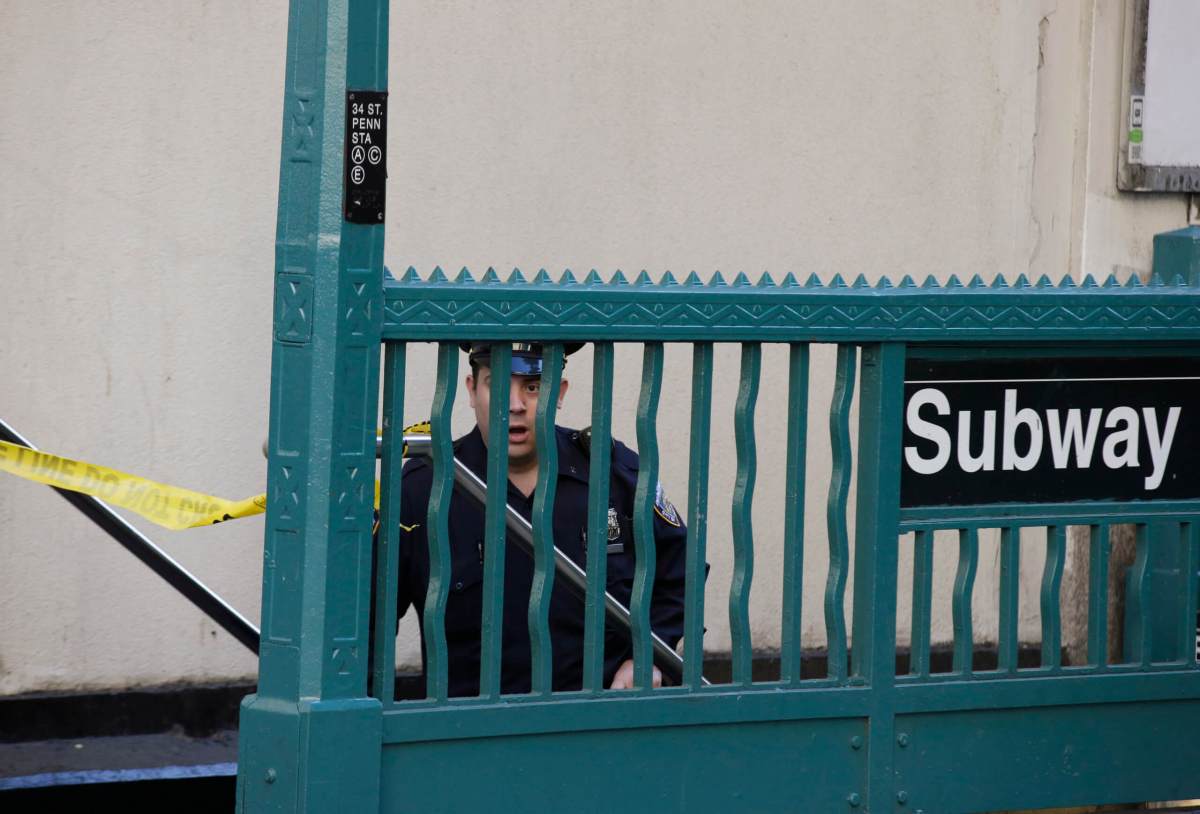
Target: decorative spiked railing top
pixel 693 310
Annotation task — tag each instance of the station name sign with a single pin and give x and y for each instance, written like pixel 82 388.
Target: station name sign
pixel 1036 430
pixel 365 176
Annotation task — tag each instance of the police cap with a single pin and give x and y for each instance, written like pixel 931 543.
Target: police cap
pixel 526 356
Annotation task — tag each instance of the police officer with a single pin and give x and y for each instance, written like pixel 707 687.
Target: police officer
pixel 464 607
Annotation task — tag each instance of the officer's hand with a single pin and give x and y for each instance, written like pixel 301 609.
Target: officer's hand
pixel 623 680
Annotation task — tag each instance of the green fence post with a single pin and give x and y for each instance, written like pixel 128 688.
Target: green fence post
pixel 873 650
pixel 1163 598
pixel 1176 254
pixel 310 738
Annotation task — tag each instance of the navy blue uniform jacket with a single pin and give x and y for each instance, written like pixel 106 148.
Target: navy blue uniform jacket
pixel 464 607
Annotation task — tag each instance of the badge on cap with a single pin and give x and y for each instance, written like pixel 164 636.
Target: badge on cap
pixel 664 508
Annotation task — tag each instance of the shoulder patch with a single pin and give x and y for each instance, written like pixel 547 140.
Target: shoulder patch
pixel 664 508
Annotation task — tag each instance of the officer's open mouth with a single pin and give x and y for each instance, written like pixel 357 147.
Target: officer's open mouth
pixel 517 435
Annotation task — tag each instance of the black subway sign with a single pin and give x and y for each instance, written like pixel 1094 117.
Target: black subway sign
pixel 1037 430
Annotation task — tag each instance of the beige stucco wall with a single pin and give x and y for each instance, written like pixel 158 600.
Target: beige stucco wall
pixel 139 161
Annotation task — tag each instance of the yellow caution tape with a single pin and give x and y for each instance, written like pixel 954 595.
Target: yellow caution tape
pixel 420 428
pixel 168 506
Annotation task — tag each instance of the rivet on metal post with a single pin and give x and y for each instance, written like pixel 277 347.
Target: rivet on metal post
pixel 270 776
pixel 902 739
pixel 854 799
pixel 902 797
pixel 856 742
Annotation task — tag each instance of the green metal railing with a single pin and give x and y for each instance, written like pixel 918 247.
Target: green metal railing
pixel 878 713
pixel 325 731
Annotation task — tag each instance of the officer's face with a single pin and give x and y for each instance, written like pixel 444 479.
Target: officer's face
pixel 523 392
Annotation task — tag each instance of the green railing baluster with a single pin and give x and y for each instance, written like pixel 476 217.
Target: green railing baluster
pixel 1187 630
pixel 1138 602
pixel 438 520
pixel 599 478
pixel 922 602
pixel 693 637
pixel 835 512
pixel 387 538
pixel 964 588
pixel 743 504
pixel 793 513
pixel 543 520
pixel 1098 595
pixel 643 514
pixel 1010 587
pixel 1056 549
pixel 492 626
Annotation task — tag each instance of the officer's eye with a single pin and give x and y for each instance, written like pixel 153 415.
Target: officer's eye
pixel 533 387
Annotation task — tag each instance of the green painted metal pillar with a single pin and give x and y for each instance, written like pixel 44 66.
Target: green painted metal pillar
pixel 1176 254
pixel 310 738
pixel 876 556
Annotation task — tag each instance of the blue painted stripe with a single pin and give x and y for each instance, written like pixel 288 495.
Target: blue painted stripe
pixel 48 779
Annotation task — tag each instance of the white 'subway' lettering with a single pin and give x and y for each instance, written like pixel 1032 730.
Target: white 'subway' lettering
pixel 1071 436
